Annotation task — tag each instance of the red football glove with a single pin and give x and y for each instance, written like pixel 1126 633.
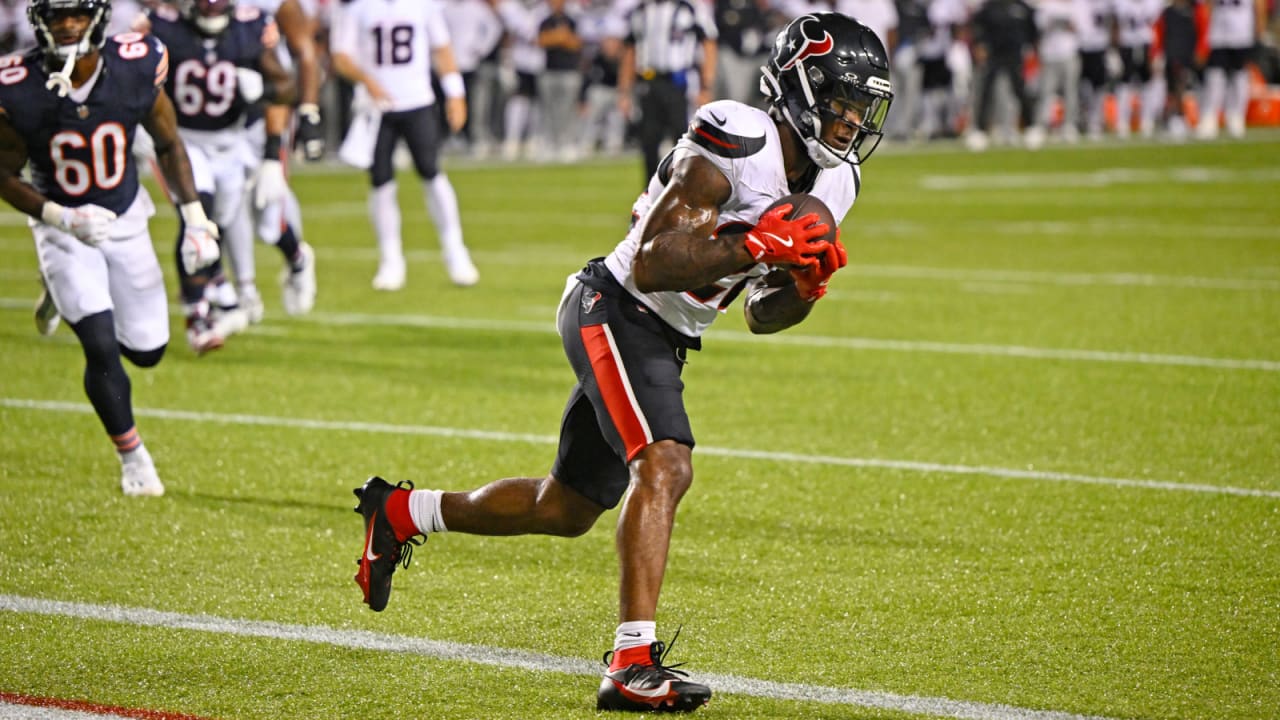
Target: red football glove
pixel 811 283
pixel 778 241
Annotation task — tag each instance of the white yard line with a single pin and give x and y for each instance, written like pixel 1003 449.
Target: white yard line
pixel 847 343
pixel 516 659
pixel 739 453
pixel 789 339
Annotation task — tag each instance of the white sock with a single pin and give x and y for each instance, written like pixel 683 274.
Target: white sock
pixel 635 633
pixel 136 456
pixel 442 203
pixel 424 510
pixel 384 211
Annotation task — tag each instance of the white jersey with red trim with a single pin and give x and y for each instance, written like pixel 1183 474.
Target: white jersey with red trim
pixel 743 143
pixel 392 41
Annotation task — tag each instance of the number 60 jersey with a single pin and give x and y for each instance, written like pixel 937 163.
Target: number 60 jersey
pixel 79 146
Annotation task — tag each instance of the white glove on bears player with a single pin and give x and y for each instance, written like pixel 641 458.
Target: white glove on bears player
pixel 199 247
pixel 90 224
pixel 268 183
pixel 249 83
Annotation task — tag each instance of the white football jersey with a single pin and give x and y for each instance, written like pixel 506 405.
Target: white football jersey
pixel 392 41
pixel 1231 23
pixel 1094 24
pixel 743 143
pixel 1135 20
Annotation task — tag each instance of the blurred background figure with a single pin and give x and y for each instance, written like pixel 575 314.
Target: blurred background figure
pixel 939 106
pixel 524 62
pixel 1181 44
pixel 1135 20
pixel 1004 36
pixel 913 28
pixel 560 83
pixel 476 33
pixel 741 49
pixel 1059 56
pixel 1094 24
pixel 1235 28
pixel 602 126
pixel 659 61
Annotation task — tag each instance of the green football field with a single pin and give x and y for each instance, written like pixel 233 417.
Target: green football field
pixel 1023 462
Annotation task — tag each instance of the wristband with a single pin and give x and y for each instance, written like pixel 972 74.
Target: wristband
pixel 51 213
pixel 193 213
pixel 453 86
pixel 271 150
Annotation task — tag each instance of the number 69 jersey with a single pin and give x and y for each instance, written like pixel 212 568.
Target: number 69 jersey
pixel 203 83
pixel 743 143
pixel 79 146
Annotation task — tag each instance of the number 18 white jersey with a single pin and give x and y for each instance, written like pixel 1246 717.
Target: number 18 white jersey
pixel 392 41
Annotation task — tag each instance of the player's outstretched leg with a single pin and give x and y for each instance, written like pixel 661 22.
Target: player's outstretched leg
pixel 638 681
pixel 383 547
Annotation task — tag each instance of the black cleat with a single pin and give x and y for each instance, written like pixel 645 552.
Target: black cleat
pixel 382 552
pixel 650 688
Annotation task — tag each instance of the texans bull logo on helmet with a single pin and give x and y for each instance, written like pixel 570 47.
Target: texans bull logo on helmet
pixel 814 44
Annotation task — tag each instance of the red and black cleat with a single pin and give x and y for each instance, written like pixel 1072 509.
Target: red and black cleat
pixel 382 551
pixel 650 686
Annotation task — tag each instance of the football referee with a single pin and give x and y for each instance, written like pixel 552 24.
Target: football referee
pixel 659 58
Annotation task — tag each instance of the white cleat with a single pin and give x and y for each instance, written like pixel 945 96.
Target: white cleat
pixel 975 140
pixel 462 271
pixel 1034 137
pixel 47 317
pixel 200 334
pixel 1235 126
pixel 389 279
pixel 298 287
pixel 251 303
pixel 229 321
pixel 139 479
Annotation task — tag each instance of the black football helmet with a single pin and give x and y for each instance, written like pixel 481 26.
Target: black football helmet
pixel 210 17
pixel 828 67
pixel 40 14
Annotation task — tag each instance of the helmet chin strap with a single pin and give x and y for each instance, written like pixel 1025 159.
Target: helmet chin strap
pixel 818 151
pixel 60 82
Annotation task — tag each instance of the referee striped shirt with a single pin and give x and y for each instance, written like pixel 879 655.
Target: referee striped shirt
pixel 666 34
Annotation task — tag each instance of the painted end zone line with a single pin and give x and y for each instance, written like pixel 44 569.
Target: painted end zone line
pixel 495 436
pixel 517 659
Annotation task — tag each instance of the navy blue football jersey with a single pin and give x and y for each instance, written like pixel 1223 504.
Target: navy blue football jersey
pixel 203 82
pixel 80 152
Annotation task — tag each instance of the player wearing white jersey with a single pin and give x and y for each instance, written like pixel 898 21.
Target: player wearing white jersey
pixel 1135 31
pixel 1235 26
pixel 703 234
pixel 1094 33
pixel 388 49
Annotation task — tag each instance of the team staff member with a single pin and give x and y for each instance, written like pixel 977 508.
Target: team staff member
pixel 658 62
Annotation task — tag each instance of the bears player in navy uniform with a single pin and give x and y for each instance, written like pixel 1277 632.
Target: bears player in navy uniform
pixel 704 234
pixel 70 107
pixel 224 60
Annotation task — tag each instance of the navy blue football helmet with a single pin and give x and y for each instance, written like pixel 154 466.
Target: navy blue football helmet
pixel 40 14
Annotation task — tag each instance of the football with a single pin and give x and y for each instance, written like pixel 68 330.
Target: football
pixel 803 204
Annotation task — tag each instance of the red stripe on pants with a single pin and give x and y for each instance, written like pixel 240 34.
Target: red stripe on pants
pixel 613 389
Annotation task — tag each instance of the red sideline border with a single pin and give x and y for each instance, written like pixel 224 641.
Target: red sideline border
pixel 83 706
